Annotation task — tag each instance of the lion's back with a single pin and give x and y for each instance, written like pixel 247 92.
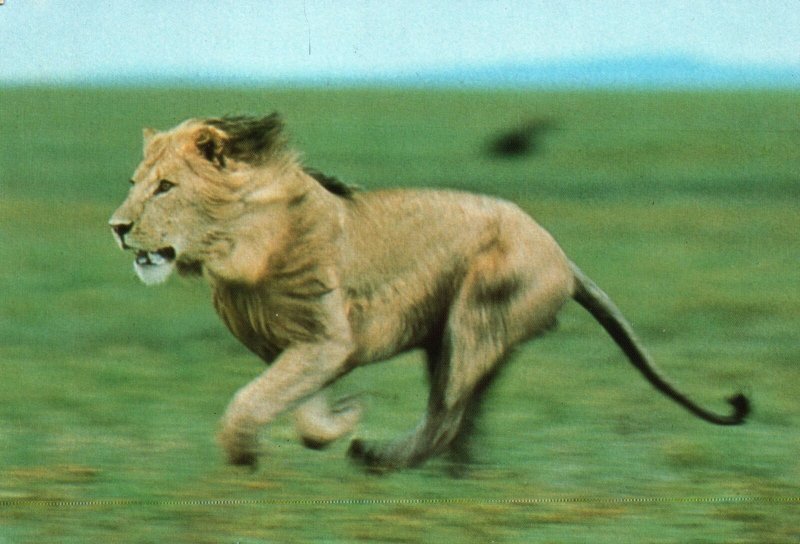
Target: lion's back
pixel 393 226
pixel 400 223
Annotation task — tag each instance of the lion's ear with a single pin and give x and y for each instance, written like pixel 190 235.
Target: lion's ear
pixel 147 135
pixel 210 143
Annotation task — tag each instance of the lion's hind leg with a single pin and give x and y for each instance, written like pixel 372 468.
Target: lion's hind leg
pixel 475 340
pixel 500 303
pixel 458 377
pixel 460 450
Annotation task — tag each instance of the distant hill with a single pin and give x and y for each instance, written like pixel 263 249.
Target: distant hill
pixel 635 72
pixel 645 72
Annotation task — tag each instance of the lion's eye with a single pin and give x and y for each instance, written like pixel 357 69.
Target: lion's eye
pixel 163 186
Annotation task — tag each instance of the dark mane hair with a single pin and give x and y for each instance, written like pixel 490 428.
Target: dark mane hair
pixel 251 139
pixel 256 140
pixel 331 183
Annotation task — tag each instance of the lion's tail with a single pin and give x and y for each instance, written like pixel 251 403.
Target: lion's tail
pixel 591 297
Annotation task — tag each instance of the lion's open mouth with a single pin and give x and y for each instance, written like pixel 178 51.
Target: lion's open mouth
pixel 155 258
pixel 154 267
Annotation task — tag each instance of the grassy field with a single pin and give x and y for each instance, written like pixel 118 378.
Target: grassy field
pixel 683 206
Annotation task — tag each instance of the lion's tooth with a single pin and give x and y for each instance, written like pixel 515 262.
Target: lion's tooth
pixel 145 258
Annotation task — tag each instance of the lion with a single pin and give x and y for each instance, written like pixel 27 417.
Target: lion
pixel 318 278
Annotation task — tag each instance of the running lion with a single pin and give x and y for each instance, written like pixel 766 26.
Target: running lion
pixel 318 279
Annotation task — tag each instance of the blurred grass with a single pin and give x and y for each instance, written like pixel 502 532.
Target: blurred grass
pixel 683 206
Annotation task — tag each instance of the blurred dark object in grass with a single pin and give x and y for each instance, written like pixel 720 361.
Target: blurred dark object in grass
pixel 520 141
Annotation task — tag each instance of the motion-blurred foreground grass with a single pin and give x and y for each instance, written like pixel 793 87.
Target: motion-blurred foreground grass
pixel 684 207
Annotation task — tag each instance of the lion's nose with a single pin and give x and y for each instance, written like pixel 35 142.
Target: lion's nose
pixel 121 228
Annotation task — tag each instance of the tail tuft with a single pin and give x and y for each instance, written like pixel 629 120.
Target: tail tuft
pixel 741 408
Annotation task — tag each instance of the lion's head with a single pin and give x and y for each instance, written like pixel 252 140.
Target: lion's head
pixel 209 195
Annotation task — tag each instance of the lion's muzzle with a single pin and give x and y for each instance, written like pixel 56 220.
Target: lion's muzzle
pixel 152 266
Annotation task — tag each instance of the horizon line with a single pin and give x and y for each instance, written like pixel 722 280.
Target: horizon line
pixel 623 71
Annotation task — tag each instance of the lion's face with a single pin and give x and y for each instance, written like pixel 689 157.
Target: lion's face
pixel 210 195
pixel 169 216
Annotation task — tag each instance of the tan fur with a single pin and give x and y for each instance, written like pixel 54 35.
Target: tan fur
pixel 317 283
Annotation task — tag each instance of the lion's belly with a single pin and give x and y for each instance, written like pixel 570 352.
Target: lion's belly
pixel 399 314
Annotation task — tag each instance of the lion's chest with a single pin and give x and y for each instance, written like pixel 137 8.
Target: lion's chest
pixel 268 321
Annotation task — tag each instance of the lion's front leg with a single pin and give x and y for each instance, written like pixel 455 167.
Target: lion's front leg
pixel 319 422
pixel 299 372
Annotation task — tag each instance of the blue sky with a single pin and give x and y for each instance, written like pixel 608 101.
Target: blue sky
pixel 50 40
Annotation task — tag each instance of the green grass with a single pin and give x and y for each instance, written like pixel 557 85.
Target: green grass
pixel 683 206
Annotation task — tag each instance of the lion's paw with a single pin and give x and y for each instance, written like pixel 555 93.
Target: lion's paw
pixel 240 445
pixel 319 425
pixel 370 456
